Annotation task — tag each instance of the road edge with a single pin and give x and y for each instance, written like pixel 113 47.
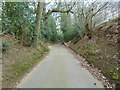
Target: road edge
pixel 93 70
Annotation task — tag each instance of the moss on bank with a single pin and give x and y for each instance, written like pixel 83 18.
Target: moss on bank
pixel 17 63
pixel 102 50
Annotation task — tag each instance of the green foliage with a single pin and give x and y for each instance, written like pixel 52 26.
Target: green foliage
pixel 67 27
pixel 49 31
pixel 18 19
pixel 115 76
pixel 5 46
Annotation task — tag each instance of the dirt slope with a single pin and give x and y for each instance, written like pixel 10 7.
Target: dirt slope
pixel 18 60
pixel 102 50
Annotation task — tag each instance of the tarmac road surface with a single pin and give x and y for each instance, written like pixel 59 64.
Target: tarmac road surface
pixel 59 69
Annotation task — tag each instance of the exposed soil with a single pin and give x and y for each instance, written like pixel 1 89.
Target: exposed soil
pixel 93 70
pixel 18 60
pixel 101 52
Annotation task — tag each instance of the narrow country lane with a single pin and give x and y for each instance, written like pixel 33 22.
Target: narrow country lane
pixel 59 69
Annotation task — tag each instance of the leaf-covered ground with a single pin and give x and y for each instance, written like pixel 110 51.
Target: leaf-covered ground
pixel 102 50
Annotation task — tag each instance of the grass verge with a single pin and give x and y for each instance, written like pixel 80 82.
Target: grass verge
pixel 18 61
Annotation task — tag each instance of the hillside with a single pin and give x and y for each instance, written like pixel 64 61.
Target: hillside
pixel 102 50
pixel 18 59
pixel 29 30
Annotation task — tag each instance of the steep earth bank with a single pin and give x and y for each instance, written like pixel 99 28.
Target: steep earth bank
pixel 18 60
pixel 102 50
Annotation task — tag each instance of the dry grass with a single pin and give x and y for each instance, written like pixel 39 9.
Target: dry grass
pixel 18 60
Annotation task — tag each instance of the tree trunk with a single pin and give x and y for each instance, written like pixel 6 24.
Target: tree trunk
pixel 88 31
pixel 38 19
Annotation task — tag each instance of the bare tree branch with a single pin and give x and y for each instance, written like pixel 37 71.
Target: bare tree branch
pixel 99 9
pixel 57 10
